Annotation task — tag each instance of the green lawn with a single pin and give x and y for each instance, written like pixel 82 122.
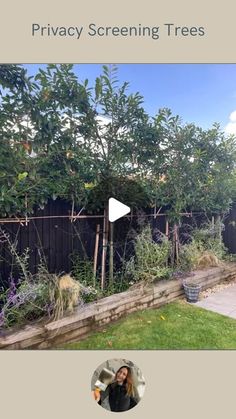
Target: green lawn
pixel 174 326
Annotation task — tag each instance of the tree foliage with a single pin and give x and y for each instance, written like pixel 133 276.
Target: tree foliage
pixel 196 168
pixel 61 137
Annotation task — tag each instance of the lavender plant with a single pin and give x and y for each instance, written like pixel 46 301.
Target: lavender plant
pixel 32 297
pixel 23 301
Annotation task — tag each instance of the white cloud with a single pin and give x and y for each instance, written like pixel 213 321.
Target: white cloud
pixel 231 126
pixel 232 116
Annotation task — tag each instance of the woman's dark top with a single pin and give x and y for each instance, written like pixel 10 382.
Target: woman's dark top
pixel 119 400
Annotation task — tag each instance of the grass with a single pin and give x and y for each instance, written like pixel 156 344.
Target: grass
pixel 175 326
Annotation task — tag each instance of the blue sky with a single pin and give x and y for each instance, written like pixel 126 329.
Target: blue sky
pixel 200 93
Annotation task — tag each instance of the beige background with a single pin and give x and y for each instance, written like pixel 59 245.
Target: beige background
pixel 57 384
pixel 184 384
pixel 217 17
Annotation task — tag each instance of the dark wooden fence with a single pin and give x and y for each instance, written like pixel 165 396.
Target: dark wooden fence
pixel 51 239
pixel 229 233
pixel 57 238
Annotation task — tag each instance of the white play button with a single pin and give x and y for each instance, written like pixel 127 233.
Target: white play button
pixel 116 209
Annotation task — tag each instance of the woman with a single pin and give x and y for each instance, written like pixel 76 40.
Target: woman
pixel 119 396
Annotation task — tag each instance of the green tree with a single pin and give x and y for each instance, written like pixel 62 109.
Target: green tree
pixel 13 77
pixel 195 171
pixel 15 136
pixel 110 133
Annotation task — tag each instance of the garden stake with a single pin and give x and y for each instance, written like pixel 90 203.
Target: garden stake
pixel 167 228
pixel 111 254
pixel 96 254
pixel 104 248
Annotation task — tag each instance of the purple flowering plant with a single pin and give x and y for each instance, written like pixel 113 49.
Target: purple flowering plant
pixel 23 300
pixel 31 297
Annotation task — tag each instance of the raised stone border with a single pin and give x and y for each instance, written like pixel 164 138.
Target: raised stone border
pixel 94 315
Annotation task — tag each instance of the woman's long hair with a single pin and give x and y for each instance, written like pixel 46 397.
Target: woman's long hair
pixel 128 381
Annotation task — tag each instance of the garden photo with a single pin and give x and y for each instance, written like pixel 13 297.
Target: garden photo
pixel 117 206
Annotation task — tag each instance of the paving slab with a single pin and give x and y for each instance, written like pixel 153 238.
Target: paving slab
pixel 222 302
pixel 233 314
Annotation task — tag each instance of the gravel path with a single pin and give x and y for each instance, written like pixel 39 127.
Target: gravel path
pixel 219 287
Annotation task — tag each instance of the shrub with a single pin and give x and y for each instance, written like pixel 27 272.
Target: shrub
pixel 82 271
pixel 24 301
pixel 32 297
pixel 44 295
pixel 151 258
pixel 190 254
pixel 210 237
pixel 205 249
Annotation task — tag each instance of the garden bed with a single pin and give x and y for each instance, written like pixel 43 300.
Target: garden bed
pixel 94 315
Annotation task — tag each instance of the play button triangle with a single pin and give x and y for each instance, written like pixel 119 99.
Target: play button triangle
pixel 116 209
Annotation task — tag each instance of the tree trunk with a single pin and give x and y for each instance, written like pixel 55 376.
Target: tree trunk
pixel 175 245
pixel 167 229
pixel 111 254
pixel 218 226
pixel 95 259
pixel 104 247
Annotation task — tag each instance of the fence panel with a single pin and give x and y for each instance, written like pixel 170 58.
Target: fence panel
pixel 55 239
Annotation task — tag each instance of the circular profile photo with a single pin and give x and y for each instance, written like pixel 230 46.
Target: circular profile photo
pixel 117 385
